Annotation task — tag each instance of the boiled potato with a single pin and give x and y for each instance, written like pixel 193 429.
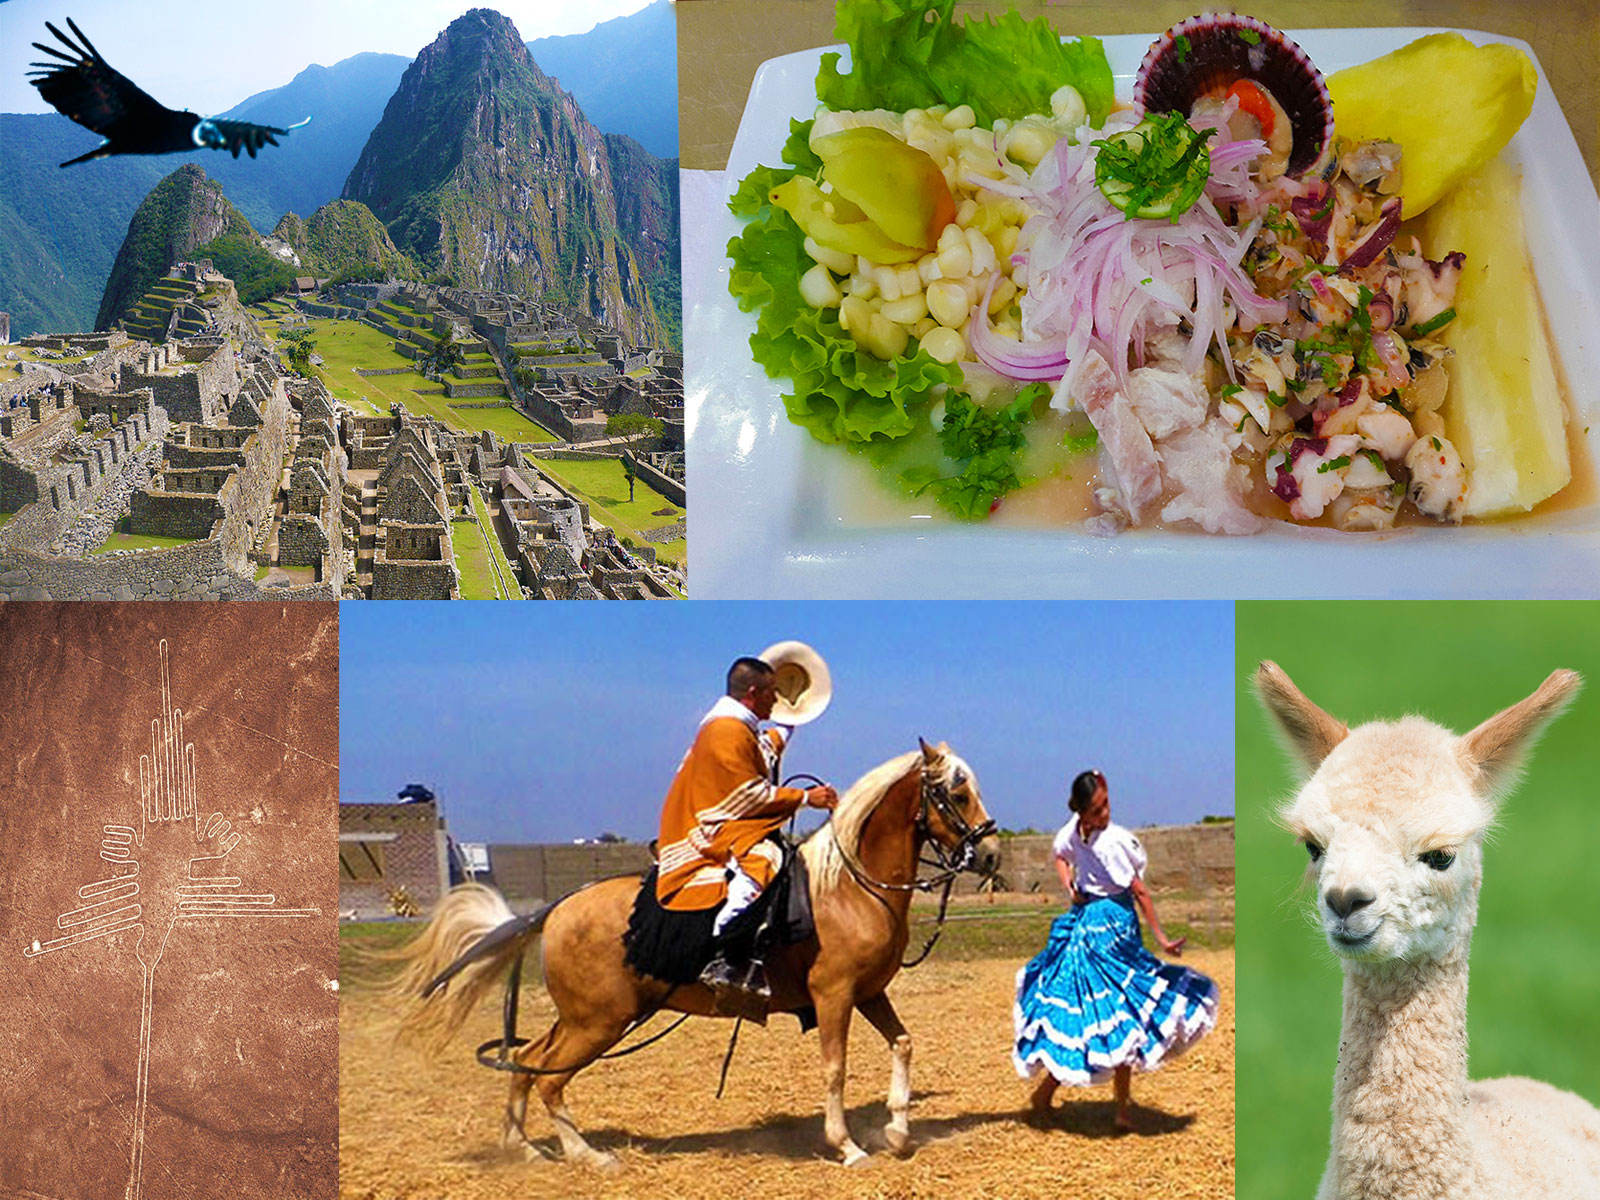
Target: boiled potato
pixel 1451 106
pixel 1503 409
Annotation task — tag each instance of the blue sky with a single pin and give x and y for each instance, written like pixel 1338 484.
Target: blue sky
pixel 209 56
pixel 548 722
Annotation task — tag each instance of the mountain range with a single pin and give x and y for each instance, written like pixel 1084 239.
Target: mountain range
pixel 485 170
pixel 60 230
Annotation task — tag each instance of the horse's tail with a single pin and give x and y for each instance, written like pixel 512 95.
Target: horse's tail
pixel 467 945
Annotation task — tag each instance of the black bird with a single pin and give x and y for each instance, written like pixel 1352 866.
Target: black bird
pixel 96 96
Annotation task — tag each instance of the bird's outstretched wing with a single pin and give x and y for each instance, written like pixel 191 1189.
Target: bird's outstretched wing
pixel 110 904
pixel 86 88
pixel 222 134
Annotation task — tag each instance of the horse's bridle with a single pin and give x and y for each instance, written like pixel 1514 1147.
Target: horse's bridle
pixel 948 862
pixel 936 798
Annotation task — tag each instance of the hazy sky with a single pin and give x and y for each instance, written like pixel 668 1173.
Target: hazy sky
pixel 547 722
pixel 207 57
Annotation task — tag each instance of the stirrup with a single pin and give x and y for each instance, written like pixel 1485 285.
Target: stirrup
pixel 738 991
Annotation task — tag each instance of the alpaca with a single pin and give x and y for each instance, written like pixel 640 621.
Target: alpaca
pixel 1393 816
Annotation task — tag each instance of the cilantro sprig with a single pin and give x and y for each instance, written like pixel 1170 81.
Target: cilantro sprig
pixel 1157 169
pixel 985 443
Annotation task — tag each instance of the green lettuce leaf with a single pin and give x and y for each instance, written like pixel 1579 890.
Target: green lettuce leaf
pixel 841 393
pixel 1003 68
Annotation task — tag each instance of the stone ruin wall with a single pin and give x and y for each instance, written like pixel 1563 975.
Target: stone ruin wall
pixel 201 395
pixel 197 571
pixel 303 542
pixel 414 562
pixel 234 506
pixel 62 493
pixel 670 488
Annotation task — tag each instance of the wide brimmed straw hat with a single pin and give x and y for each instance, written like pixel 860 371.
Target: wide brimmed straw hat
pixel 804 685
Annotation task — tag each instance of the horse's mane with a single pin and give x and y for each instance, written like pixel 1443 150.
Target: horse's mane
pixel 821 849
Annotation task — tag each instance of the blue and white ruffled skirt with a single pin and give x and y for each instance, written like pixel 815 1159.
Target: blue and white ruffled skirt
pixel 1095 999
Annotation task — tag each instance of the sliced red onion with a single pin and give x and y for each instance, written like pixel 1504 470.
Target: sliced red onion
pixel 1014 360
pixel 1399 373
pixel 1377 237
pixel 1314 210
pixel 1096 280
pixel 1286 487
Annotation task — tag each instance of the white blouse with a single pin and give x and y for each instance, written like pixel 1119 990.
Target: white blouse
pixel 1106 864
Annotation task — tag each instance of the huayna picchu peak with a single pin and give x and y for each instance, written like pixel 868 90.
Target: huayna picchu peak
pixel 487 173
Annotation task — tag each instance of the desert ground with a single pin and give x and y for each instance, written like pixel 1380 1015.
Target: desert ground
pixel 415 1126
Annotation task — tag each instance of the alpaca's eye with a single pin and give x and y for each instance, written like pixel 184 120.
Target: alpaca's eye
pixel 1439 860
pixel 1314 850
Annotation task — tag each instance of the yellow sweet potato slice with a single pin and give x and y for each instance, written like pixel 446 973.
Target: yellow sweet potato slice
pixel 1451 106
pixel 1503 409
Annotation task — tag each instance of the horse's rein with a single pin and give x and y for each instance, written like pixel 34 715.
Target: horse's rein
pixel 934 796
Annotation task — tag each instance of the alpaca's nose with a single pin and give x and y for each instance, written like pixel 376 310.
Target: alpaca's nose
pixel 1345 901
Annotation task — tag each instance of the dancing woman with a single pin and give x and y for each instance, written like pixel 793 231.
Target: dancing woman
pixel 1094 1003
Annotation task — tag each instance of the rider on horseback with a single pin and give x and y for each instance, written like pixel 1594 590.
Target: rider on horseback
pixel 716 824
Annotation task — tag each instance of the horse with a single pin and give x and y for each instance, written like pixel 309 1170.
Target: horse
pixel 862 867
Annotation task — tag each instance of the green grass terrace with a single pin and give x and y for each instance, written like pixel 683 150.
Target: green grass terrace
pixel 485 573
pixel 603 483
pixel 121 539
pixel 346 345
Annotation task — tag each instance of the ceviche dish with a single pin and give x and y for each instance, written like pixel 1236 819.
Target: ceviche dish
pixel 1241 294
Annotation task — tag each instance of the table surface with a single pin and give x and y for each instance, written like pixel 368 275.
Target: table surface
pixel 722 42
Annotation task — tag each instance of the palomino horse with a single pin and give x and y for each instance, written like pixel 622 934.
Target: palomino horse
pixel 862 865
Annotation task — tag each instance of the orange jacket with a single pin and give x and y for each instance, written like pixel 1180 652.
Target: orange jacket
pixel 721 804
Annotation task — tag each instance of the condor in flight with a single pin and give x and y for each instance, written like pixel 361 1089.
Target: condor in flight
pixel 96 96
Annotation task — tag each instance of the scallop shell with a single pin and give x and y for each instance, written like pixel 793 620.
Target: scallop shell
pixel 1215 55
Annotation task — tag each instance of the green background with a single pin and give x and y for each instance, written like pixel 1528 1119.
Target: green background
pixel 1536 952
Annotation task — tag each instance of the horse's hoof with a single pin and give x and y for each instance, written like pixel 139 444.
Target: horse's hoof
pixel 855 1156
pixel 605 1162
pixel 898 1141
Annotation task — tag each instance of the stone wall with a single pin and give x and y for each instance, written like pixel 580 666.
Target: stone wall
pixel 534 872
pixel 302 541
pixel 66 491
pixel 19 486
pixel 179 514
pixel 469 391
pixel 413 562
pixel 408 839
pixel 200 394
pixel 1197 859
pixel 670 488
pixel 193 572
pixel 312 308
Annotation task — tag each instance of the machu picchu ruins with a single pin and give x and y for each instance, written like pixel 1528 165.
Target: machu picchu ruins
pixel 180 455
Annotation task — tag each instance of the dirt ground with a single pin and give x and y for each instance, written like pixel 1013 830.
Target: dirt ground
pixel 419 1127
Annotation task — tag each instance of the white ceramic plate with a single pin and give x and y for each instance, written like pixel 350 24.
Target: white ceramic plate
pixel 776 514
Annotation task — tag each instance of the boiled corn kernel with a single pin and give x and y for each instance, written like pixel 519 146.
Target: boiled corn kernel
pixel 836 261
pixel 908 310
pixel 960 117
pixel 947 302
pixel 946 345
pixel 818 289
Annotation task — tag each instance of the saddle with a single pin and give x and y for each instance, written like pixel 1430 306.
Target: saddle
pixel 676 946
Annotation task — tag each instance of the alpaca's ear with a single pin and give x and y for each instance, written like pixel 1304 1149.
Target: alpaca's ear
pixel 1309 732
pixel 1493 752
